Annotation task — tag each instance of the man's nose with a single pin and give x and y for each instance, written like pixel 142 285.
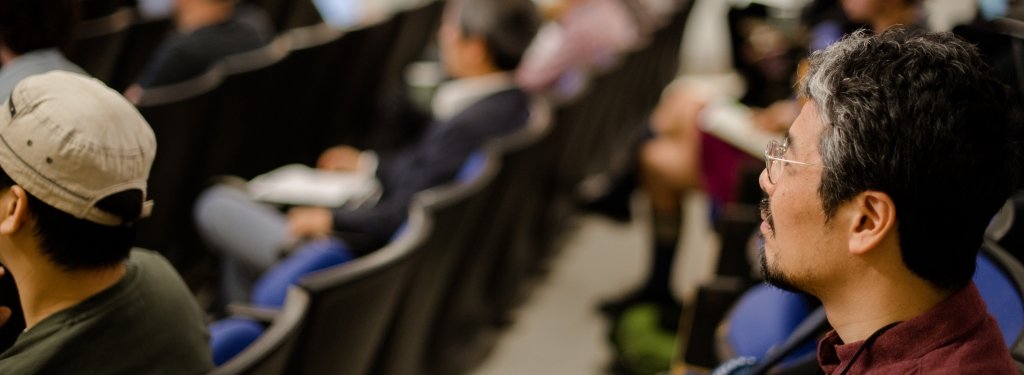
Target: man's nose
pixel 762 180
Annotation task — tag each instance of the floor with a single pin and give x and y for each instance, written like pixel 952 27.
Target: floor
pixel 559 330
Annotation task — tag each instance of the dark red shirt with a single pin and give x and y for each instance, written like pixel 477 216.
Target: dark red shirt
pixel 957 336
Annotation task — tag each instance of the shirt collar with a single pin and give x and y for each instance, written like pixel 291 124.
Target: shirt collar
pixel 31 58
pixel 455 96
pixel 960 313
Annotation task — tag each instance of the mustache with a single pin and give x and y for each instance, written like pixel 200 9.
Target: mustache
pixel 766 212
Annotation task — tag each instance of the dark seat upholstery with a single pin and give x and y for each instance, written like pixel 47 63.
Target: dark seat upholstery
pixel 144 36
pixel 100 42
pixel 180 118
pixel 459 211
pixel 270 353
pixel 353 304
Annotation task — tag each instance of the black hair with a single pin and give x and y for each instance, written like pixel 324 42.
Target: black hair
pixel 79 244
pixel 507 27
pixel 920 117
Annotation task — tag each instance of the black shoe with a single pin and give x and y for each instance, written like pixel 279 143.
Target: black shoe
pixel 608 197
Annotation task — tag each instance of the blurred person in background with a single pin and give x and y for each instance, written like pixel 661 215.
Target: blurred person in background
pixel 481 43
pixel 580 36
pixel 206 32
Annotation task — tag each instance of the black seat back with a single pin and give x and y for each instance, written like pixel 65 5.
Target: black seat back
pixel 270 353
pixel 180 118
pixel 353 304
pixel 100 42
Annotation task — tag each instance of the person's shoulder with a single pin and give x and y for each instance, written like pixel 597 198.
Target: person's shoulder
pixel 147 256
pixel 980 351
pixel 152 263
pixel 510 99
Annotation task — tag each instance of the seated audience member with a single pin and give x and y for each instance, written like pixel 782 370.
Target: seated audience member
pixel 32 32
pixel 153 9
pixel 690 151
pixel 207 31
pixel 74 162
pixel 344 14
pixel 481 42
pixel 583 35
pixel 878 200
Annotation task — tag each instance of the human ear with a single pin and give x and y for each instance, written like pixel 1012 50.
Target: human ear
pixel 476 48
pixel 873 217
pixel 14 209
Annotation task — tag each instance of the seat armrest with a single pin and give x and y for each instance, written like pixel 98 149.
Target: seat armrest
pixel 262 314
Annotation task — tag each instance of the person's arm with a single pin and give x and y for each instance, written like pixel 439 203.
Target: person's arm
pixel 347 159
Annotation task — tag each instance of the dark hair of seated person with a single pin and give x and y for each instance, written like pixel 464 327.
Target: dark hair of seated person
pixel 79 244
pixel 507 27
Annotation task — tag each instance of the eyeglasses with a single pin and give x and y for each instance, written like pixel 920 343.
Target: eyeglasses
pixel 773 156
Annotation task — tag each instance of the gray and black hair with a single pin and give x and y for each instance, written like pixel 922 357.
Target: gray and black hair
pixel 507 27
pixel 920 117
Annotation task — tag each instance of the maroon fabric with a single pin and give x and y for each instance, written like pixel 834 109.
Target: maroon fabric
pixel 957 336
pixel 720 167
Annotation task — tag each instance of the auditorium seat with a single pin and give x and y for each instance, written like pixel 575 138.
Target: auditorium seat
pixel 144 36
pixel 93 9
pixel 765 317
pixel 458 211
pixel 302 13
pixel 270 353
pixel 1000 278
pixel 347 306
pixel 100 41
pixel 252 110
pixel 452 209
pixel 353 304
pixel 492 239
pixel 180 118
pixel 230 336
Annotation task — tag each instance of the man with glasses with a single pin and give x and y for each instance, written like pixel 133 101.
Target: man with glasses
pixel 878 200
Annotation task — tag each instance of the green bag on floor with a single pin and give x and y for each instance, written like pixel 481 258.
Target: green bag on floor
pixel 642 344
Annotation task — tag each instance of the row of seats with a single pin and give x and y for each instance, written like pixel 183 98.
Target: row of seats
pixel 115 40
pixel 469 248
pixel 258 110
pixel 386 312
pixel 116 47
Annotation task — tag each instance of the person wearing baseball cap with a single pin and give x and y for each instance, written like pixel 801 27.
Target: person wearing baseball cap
pixel 74 160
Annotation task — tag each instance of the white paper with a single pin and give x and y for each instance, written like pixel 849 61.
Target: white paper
pixel 297 184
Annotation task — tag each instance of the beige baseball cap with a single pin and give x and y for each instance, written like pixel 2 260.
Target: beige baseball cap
pixel 71 141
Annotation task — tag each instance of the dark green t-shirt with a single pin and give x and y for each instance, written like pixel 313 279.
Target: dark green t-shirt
pixel 147 323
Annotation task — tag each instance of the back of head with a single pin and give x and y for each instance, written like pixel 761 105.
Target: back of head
pixel 920 117
pixel 29 25
pixel 507 27
pixel 83 155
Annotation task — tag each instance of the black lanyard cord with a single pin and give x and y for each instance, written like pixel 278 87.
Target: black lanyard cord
pixel 870 340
